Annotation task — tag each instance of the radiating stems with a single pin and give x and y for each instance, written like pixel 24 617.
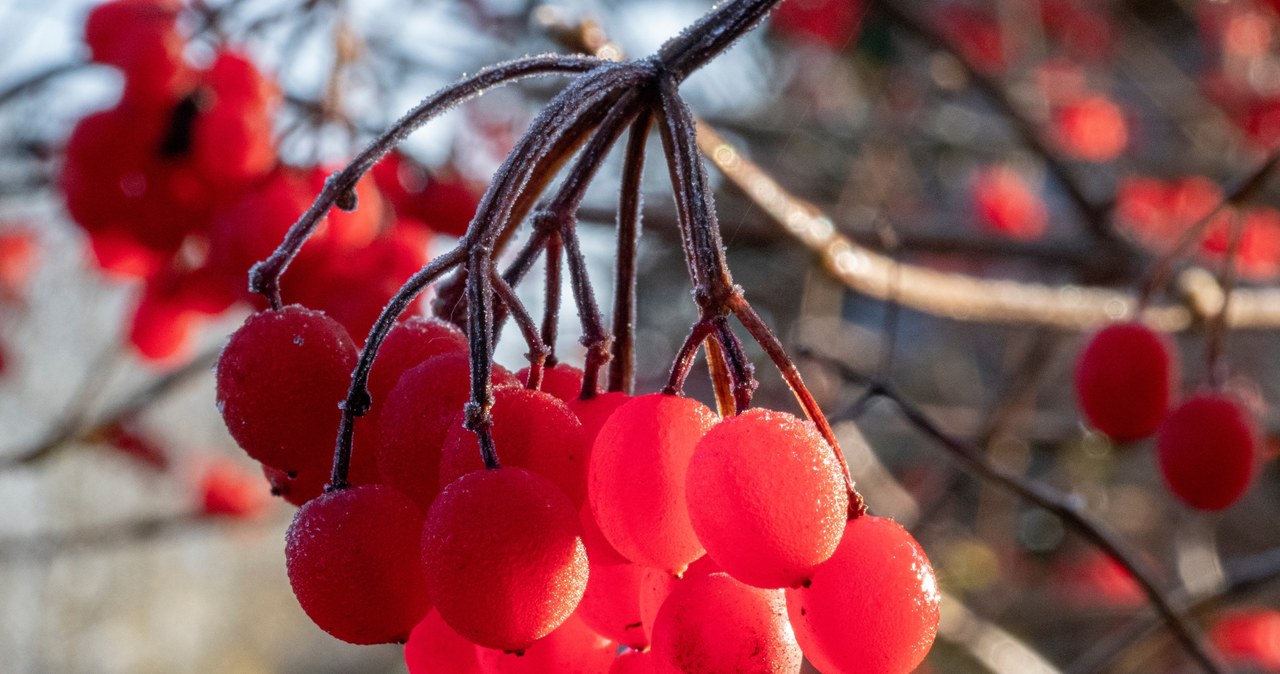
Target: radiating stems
pixel 339 189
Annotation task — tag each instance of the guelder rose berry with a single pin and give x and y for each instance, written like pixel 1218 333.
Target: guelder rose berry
pixel 1124 379
pixel 280 380
pixel 434 647
pixel 716 625
pixel 636 483
pixel 879 583
pixel 353 564
pixel 767 497
pixel 573 648
pixel 1208 451
pixel 503 554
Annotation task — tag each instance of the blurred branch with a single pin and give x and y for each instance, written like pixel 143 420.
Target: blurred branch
pixel 1066 507
pixel 37 79
pixel 1242 575
pixel 969 298
pixel 77 429
pixel 1095 215
pixel 45 546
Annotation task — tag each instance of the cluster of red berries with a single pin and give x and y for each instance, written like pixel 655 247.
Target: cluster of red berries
pixel 1158 212
pixel 701 544
pixel 181 185
pixel 1207 445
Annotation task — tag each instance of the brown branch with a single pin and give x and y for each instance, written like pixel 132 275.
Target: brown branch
pixel 969 298
pixel 1070 510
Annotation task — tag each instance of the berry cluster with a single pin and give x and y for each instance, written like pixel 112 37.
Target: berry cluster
pixel 702 544
pixel 1207 446
pixel 180 185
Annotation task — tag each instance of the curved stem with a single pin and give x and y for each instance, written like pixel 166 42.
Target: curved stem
pixel 561 214
pixel 741 371
pixel 1215 369
pixel 695 203
pixel 684 357
pixel 339 189
pixel 538 349
pixel 769 342
pixel 721 380
pixel 712 34
pixel 630 208
pixel 551 307
pixel 358 400
pixel 476 417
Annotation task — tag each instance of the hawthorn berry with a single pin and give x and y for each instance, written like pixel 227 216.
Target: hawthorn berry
pixel 1208 451
pixel 279 382
pixel 1124 380
pixel 503 554
pixel 715 624
pixel 352 558
pixel 879 583
pixel 767 497
pixel 636 482
pixel 296 489
pixel 434 647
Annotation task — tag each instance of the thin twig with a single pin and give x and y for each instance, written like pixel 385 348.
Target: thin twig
pixel 1070 510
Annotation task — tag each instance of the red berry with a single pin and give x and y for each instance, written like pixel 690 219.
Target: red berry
pixel 594 411
pixel 119 254
pixel 531 430
pixel 879 583
pixel 234 78
pixel 562 381
pixel 415 420
pixel 228 491
pixel 1006 205
pixel 504 557
pixel 634 662
pixel 162 328
pixel 232 145
pixel 434 648
pixel 125 438
pixel 407 345
pixel 1249 638
pixel 637 479
pixel 573 648
pixel 297 489
pixel 352 558
pixel 833 23
pixel 1092 129
pixel 280 380
pixel 611 605
pixel 657 585
pixel 18 249
pixel 140 37
pixel 1208 451
pixel 1124 379
pixel 714 625
pixel 767 497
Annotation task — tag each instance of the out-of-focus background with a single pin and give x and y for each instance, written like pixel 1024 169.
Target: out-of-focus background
pixel 1062 146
